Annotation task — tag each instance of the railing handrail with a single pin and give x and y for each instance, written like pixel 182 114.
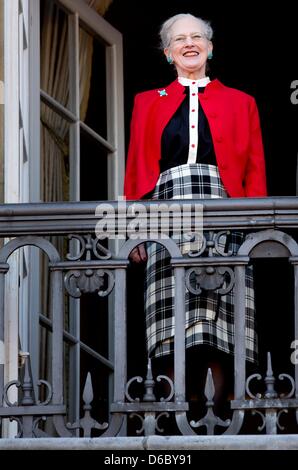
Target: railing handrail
pixel 92 268
pixel 68 217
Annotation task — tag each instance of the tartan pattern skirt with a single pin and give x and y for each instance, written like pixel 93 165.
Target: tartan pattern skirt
pixel 209 315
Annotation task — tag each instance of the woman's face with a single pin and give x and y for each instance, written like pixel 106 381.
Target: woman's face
pixel 189 48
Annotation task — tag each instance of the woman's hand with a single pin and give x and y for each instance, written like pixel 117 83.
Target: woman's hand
pixel 139 254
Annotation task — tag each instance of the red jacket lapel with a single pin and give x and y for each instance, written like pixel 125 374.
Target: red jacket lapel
pixel 163 108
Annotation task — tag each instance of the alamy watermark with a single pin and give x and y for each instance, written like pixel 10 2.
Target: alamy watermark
pixel 294 355
pixel 294 94
pixel 153 220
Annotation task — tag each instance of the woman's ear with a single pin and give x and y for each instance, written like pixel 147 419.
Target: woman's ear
pixel 210 47
pixel 168 56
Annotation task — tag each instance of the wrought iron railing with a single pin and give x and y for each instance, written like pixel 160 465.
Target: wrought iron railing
pixel 270 226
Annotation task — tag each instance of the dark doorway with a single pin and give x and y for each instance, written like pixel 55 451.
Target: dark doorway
pixel 254 50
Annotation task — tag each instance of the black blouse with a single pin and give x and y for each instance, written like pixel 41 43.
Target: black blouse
pixel 175 138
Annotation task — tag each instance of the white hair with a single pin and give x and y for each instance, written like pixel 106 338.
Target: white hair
pixel 165 29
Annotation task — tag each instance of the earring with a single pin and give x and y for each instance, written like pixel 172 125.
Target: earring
pixel 210 55
pixel 170 59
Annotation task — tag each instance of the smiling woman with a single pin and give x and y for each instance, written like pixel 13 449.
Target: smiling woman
pixel 187 44
pixel 167 129
pixel 194 139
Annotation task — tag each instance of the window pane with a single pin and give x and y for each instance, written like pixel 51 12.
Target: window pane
pixel 54 156
pixel 94 322
pixel 93 169
pixel 45 353
pixel 93 83
pixel 54 52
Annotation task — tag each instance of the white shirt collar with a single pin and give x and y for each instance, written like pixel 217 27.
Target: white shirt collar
pixel 201 82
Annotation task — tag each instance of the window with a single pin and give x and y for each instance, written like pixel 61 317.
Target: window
pixel 63 47
pixel 82 145
pixel 72 35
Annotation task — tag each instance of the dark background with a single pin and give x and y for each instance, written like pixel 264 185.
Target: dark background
pixel 254 50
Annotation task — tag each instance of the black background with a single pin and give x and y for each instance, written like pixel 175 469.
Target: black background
pixel 255 50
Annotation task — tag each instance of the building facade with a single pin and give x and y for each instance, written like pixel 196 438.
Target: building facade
pixel 64 330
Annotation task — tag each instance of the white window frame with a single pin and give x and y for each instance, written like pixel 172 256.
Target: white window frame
pixel 16 176
pixel 79 12
pixel 21 119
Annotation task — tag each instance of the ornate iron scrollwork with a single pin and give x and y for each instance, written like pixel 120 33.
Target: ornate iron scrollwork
pixel 36 410
pixel 269 381
pixel 269 404
pixel 151 407
pixel 213 243
pixel 88 281
pixel 149 384
pixel 220 279
pixel 210 278
pixel 88 246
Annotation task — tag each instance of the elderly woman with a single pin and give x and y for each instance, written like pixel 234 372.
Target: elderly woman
pixel 195 138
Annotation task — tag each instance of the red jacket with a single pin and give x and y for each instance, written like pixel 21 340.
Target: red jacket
pixel 235 128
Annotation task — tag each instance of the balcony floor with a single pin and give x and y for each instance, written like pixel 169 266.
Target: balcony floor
pixel 183 443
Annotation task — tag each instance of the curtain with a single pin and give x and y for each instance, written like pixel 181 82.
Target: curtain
pixel 54 81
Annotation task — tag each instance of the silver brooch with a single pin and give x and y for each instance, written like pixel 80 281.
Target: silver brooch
pixel 162 92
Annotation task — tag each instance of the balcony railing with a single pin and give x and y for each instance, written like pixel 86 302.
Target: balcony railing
pixel 91 266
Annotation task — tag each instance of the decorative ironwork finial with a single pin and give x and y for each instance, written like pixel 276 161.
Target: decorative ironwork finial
pixel 210 420
pixel 87 423
pixel 27 385
pixel 269 379
pixel 149 384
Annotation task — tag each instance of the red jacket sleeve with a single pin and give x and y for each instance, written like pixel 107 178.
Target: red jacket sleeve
pixel 255 173
pixel 133 167
pixel 131 173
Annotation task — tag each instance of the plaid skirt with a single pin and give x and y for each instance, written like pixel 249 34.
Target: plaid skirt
pixel 209 315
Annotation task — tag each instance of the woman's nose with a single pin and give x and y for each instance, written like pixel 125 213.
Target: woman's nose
pixel 189 41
